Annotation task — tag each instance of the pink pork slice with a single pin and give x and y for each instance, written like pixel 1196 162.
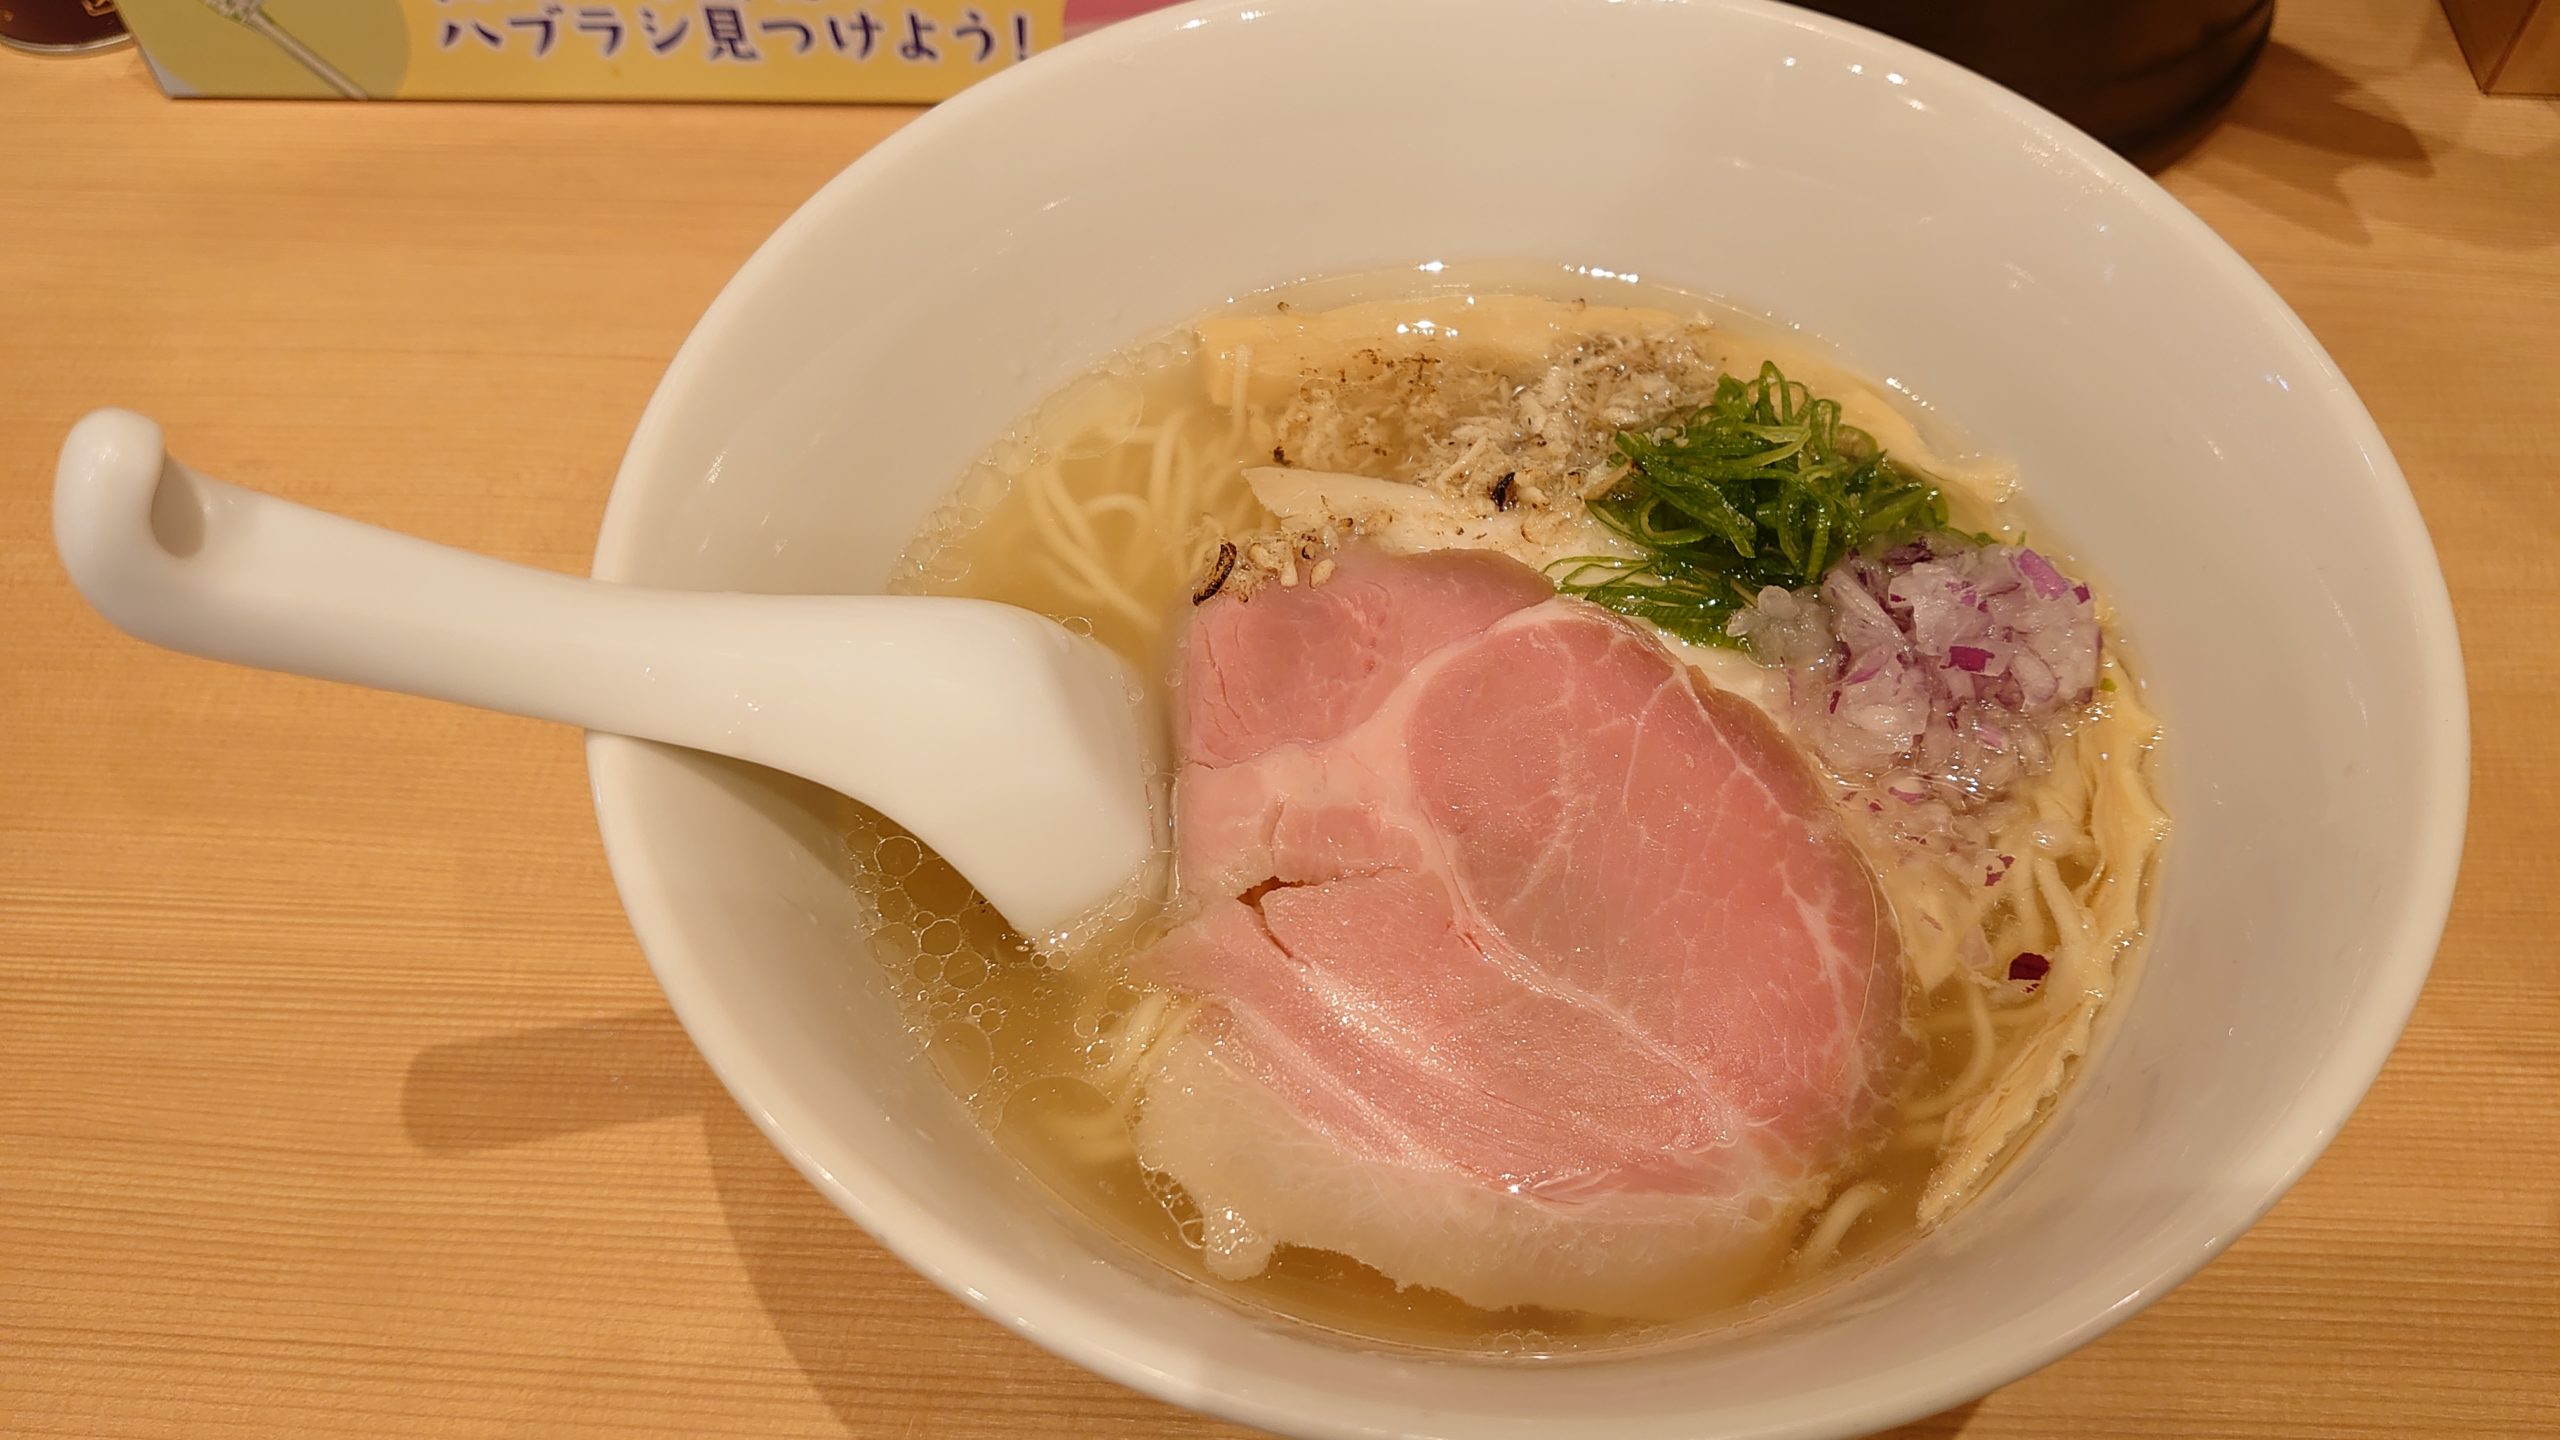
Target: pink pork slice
pixel 1537 970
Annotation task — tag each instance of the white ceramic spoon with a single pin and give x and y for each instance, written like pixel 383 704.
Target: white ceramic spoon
pixel 1009 744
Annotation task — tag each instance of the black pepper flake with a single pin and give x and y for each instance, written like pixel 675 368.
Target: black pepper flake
pixel 2029 969
pixel 1224 566
pixel 1502 490
pixel 1279 454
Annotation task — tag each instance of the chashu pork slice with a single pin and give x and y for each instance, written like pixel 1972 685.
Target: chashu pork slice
pixel 1535 969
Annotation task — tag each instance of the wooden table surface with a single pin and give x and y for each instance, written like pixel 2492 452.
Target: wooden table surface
pixel 336 1100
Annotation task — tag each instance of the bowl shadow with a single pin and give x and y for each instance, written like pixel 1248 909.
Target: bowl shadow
pixel 877 1343
pixel 2303 135
pixel 886 1351
pixel 1942 1426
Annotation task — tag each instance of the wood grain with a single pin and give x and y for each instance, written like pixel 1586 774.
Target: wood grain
pixel 335 1099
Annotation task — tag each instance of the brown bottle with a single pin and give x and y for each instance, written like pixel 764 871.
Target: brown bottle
pixel 2148 77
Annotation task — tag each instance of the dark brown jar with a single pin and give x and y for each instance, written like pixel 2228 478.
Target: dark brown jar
pixel 2147 77
pixel 56 27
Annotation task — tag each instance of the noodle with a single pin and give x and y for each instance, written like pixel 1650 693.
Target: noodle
pixel 1237 390
pixel 2090 812
pixel 1833 1227
pixel 1978 1061
pixel 1167 503
pixel 1080 551
pixel 1142 519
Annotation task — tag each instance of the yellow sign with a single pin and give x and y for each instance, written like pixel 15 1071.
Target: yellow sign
pixel 913 51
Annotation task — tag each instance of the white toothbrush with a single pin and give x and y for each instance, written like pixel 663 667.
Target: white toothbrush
pixel 1012 746
pixel 253 14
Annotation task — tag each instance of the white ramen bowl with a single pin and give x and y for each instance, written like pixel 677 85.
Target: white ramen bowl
pixel 2173 419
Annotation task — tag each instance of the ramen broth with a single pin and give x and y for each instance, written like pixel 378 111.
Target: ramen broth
pixel 1142 468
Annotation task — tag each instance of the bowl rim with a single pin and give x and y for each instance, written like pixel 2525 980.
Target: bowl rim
pixel 1047 1316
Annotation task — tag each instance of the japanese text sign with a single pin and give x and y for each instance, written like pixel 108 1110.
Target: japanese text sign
pixel 912 51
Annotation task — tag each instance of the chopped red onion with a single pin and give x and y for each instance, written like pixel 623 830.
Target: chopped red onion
pixel 2040 573
pixel 1953 662
pixel 1930 680
pixel 2029 968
